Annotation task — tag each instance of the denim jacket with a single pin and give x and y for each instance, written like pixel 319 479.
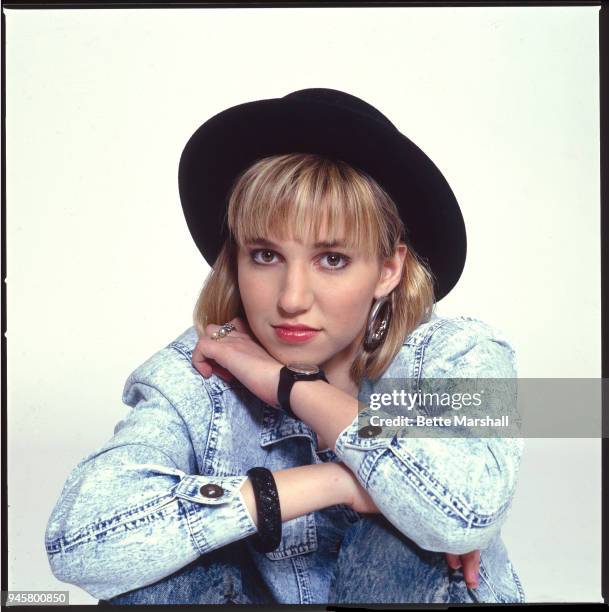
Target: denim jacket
pixel 140 508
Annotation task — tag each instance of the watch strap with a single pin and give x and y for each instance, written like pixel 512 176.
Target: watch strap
pixel 287 378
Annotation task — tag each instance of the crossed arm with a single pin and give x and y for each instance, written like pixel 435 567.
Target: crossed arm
pixel 309 488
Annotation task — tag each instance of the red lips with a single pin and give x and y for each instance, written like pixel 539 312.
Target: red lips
pixel 296 327
pixel 295 333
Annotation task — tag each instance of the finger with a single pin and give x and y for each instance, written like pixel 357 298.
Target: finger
pixel 453 561
pixel 210 328
pixel 202 366
pixel 207 366
pixel 241 325
pixel 197 355
pixel 222 372
pixel 471 566
pixel 200 361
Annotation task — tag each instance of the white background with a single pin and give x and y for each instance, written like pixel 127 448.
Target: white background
pixel 102 272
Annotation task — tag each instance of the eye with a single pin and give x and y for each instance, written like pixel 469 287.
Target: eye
pixel 267 256
pixel 334 260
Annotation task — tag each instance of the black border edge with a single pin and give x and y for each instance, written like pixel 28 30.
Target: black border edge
pixel 4 577
pixel 603 33
pixel 604 220
pixel 118 4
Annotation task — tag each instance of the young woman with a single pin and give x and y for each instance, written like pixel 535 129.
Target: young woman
pixel 245 471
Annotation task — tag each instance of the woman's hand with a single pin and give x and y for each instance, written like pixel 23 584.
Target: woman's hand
pixel 471 566
pixel 238 355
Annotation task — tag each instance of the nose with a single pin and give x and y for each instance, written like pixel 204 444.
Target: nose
pixel 296 292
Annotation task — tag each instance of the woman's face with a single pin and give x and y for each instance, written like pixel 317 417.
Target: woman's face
pixel 323 286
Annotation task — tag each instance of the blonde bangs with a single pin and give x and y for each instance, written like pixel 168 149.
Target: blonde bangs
pixel 299 196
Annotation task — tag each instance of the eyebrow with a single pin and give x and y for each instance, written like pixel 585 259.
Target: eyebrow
pixel 318 245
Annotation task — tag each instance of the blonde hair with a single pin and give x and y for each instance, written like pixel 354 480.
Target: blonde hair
pixel 307 189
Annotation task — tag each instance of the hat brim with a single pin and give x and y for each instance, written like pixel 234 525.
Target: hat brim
pixel 232 140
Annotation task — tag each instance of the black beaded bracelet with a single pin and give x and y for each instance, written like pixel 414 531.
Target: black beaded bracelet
pixel 268 536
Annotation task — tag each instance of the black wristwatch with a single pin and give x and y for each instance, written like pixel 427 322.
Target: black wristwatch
pixel 288 375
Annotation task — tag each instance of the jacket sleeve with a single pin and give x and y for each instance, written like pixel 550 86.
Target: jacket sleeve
pixel 135 511
pixel 446 494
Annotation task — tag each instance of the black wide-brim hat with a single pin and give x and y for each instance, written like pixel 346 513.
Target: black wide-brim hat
pixel 337 125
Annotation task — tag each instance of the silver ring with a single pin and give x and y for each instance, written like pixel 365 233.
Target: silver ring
pixel 224 330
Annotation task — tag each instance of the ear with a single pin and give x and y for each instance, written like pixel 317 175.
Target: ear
pixel 391 272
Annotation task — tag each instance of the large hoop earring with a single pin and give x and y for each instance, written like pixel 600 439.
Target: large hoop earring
pixel 378 323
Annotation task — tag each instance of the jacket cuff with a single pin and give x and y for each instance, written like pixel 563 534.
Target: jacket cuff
pixel 213 505
pixel 204 497
pixel 358 437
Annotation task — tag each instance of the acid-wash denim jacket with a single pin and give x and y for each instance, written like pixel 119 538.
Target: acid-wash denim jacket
pixel 138 509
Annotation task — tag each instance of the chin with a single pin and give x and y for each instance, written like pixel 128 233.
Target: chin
pixel 297 354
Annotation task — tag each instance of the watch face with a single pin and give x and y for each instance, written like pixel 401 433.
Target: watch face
pixel 303 368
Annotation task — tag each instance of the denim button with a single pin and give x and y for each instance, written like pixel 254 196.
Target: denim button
pixel 369 431
pixel 211 490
